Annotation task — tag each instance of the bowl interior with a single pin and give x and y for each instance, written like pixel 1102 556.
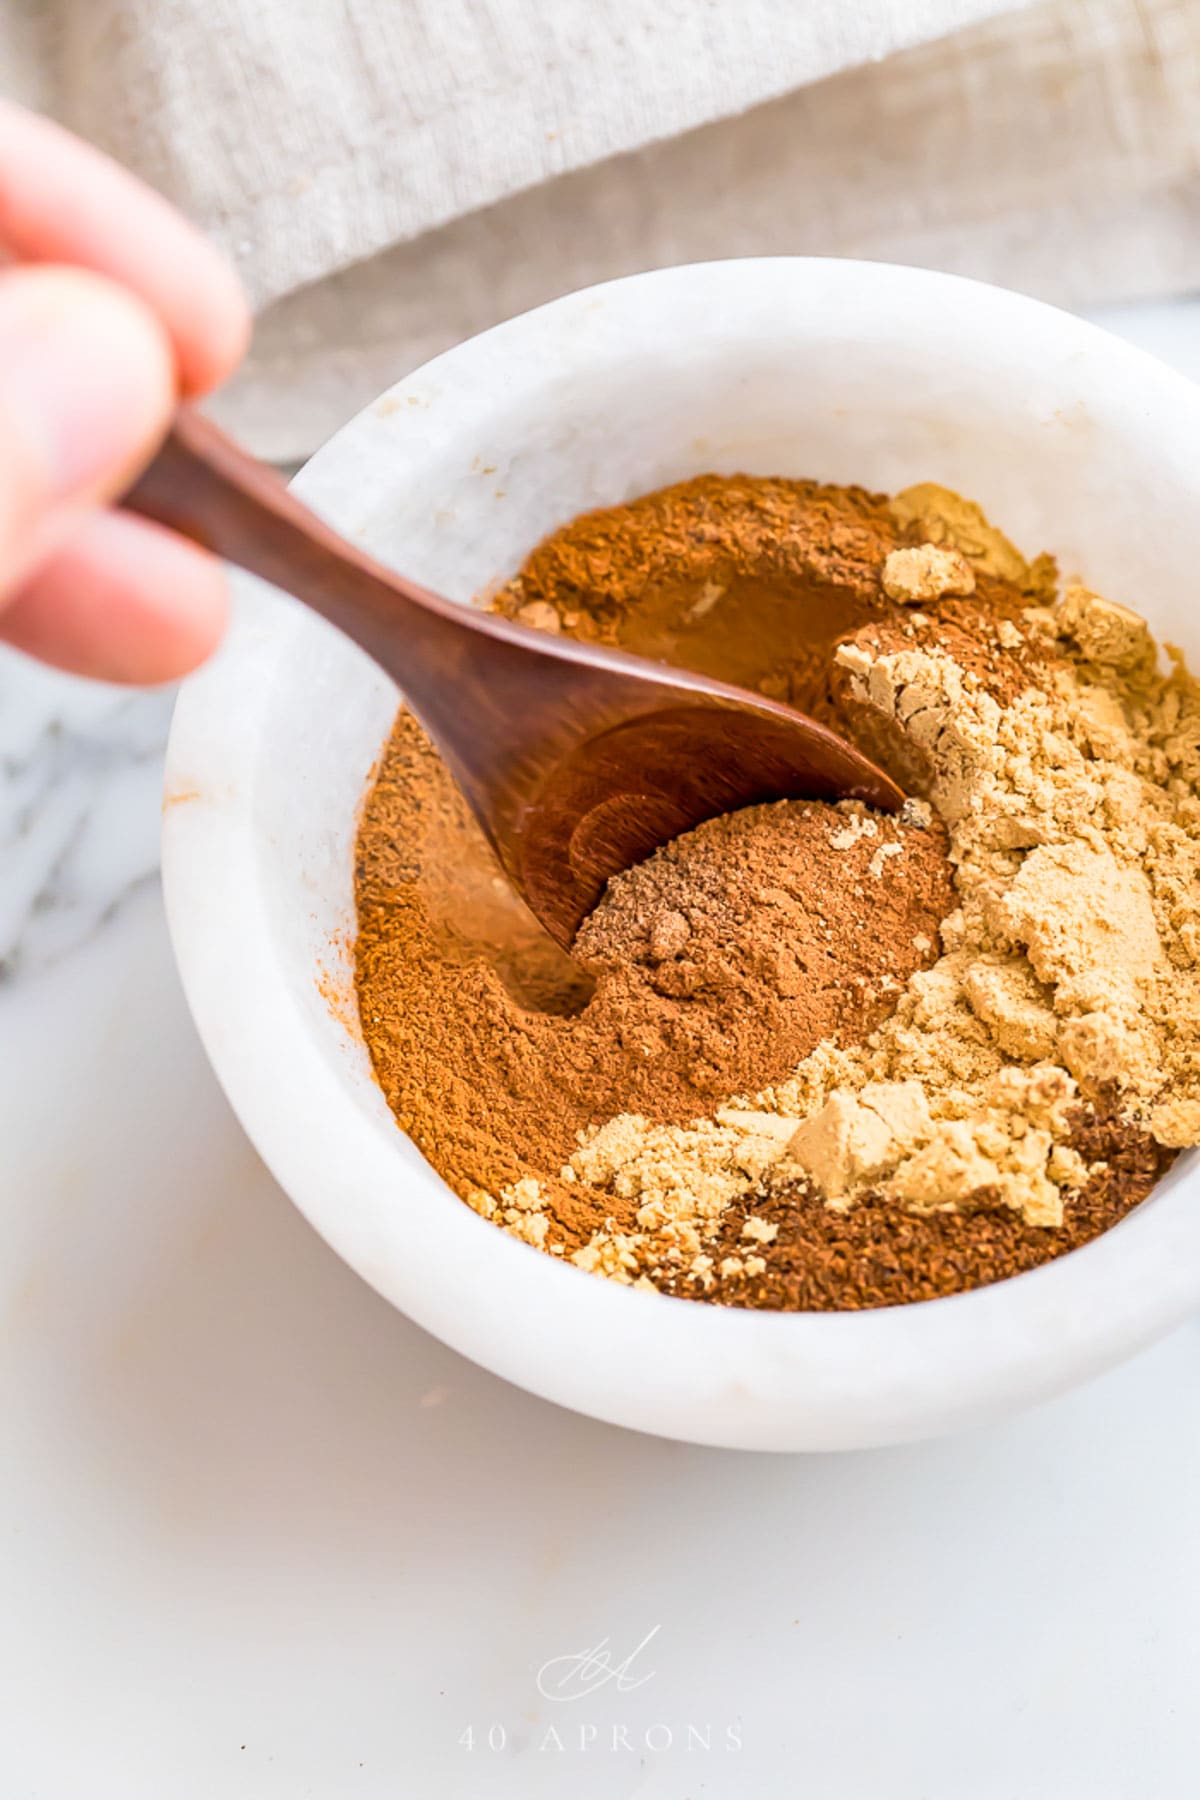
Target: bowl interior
pixel 1071 442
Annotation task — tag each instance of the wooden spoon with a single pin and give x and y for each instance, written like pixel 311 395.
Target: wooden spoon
pixel 577 761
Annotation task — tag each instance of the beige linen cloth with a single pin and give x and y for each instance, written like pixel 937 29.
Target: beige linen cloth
pixel 392 175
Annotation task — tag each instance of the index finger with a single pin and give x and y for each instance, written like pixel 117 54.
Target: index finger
pixel 63 202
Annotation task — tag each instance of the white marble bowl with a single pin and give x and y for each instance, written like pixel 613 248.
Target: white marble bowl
pixel 847 371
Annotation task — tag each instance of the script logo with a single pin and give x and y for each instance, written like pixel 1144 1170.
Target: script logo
pixel 579 1673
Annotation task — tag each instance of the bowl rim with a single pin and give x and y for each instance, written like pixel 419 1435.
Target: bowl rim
pixel 723 1376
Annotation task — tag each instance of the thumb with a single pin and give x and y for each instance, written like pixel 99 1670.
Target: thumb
pixel 87 387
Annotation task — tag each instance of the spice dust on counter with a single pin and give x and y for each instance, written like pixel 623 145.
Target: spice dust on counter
pixel 811 1056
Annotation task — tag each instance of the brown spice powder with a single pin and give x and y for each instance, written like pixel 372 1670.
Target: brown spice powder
pixel 731 954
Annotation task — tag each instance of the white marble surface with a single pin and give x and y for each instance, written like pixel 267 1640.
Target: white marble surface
pixel 262 1537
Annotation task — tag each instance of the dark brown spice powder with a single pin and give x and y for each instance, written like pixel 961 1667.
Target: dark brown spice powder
pixel 877 1255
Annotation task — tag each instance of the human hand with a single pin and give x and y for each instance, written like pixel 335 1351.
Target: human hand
pixel 111 309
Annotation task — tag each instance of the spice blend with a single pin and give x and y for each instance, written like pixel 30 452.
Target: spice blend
pixel 809 1056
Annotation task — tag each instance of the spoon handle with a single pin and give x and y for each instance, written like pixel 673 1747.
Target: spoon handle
pixel 205 487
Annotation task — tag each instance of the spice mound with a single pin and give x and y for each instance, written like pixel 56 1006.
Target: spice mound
pixel 736 950
pixel 807 1056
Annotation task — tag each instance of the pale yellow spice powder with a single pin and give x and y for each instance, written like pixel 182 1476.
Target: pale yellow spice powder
pixel 1072 957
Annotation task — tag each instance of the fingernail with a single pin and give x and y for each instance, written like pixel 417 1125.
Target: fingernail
pixel 87 381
